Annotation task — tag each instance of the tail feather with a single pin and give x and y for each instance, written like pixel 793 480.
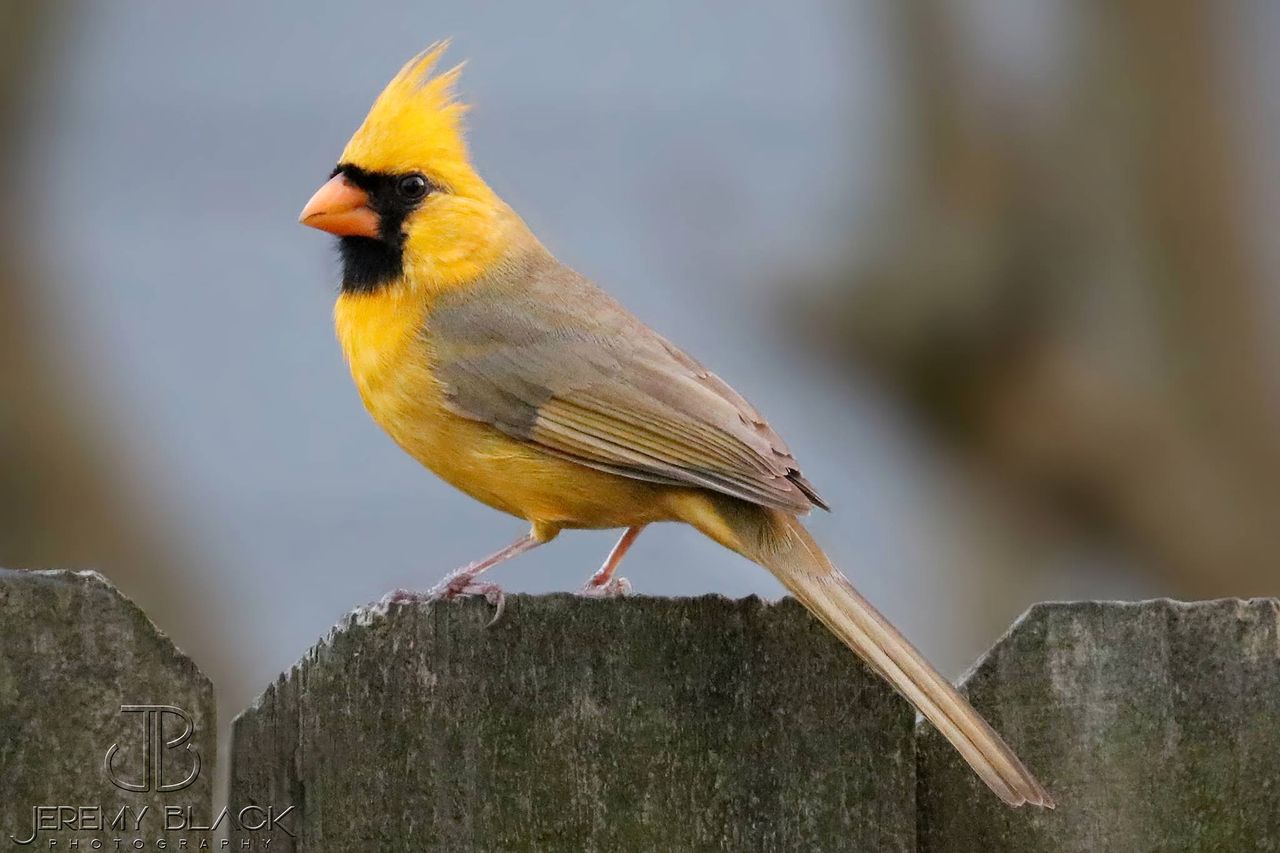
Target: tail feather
pixel 780 543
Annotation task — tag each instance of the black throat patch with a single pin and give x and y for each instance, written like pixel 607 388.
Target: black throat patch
pixel 368 263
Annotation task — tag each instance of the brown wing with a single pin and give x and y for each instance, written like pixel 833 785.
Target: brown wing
pixel 540 353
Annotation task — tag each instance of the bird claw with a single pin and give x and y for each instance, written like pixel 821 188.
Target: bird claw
pixel 465 586
pixel 612 588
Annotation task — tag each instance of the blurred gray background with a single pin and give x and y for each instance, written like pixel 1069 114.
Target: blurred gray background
pixel 1001 272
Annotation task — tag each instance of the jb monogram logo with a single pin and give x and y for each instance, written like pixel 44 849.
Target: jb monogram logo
pixel 154 747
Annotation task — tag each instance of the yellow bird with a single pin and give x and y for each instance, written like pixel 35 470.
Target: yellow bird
pixel 519 382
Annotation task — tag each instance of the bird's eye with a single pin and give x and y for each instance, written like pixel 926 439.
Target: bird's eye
pixel 412 187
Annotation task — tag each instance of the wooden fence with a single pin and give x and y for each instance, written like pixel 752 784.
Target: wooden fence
pixel 638 724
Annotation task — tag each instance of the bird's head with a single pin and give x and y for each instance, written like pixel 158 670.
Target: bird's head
pixel 404 199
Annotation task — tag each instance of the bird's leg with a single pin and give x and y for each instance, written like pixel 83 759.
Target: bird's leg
pixel 603 584
pixel 462 582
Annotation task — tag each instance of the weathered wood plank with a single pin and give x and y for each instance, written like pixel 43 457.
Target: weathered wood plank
pixel 1155 725
pixel 638 724
pixel 73 651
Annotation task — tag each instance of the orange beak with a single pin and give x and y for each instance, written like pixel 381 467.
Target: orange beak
pixel 342 208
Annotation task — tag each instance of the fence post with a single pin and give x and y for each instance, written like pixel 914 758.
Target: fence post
pixel 1155 725
pixel 636 724
pixel 73 653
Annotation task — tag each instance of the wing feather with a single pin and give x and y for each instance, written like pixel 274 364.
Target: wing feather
pixel 541 354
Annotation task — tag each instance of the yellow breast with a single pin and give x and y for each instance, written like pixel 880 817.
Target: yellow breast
pixel 390 360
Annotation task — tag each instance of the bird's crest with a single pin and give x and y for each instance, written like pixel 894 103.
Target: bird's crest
pixel 416 125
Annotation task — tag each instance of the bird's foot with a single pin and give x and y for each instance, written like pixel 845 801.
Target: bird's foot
pixel 465 585
pixel 612 588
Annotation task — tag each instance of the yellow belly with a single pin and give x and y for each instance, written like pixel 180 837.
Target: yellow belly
pixel 391 366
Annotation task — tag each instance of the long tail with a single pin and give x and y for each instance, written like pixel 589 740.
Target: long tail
pixel 780 543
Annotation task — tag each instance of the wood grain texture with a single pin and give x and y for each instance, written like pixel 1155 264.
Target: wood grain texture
pixel 1156 725
pixel 72 651
pixel 639 724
